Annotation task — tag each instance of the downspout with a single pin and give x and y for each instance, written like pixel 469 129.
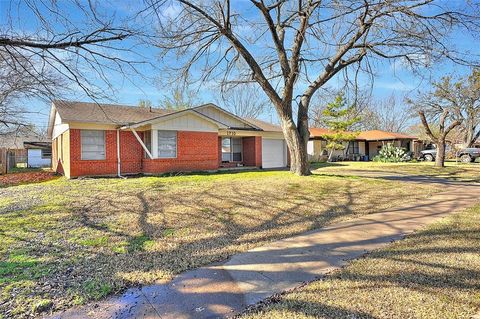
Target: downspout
pixel 118 154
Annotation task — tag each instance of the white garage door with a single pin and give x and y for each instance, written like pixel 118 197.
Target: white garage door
pixel 273 153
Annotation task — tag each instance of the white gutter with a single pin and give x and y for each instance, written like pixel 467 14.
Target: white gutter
pixel 141 143
pixel 118 154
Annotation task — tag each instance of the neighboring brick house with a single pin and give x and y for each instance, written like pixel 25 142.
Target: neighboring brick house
pixel 366 145
pixel 90 139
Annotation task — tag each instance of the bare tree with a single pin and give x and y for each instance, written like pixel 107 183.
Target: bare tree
pixel 180 97
pixel 294 48
pixel 70 44
pixel 436 117
pixel 463 96
pixel 440 138
pixel 245 101
pixel 16 85
pixel 386 114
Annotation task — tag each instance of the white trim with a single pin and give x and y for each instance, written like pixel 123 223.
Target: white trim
pixel 141 143
pixel 118 154
pixel 228 113
pixel 162 118
pixel 154 142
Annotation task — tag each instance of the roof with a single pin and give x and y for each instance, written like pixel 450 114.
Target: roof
pixel 128 115
pixel 16 139
pixel 373 135
pixel 105 113
pixel 378 135
pixel 319 131
pixel 37 145
pixel 265 126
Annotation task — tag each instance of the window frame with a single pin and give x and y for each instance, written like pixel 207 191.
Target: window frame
pixel 229 139
pixel 43 156
pixel 104 146
pixel 147 140
pixel 352 147
pixel 158 144
pixel 240 144
pixel 231 152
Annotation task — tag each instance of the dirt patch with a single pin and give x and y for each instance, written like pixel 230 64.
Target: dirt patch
pixel 14 179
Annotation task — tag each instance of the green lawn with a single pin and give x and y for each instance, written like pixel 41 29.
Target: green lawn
pixel 67 242
pixel 434 273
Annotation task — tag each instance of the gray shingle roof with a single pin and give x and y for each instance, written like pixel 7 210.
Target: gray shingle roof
pixel 105 113
pixel 72 111
pixel 266 126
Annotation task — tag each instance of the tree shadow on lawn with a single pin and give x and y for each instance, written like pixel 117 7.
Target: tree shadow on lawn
pixel 433 273
pixel 209 227
pixel 373 282
pixel 213 232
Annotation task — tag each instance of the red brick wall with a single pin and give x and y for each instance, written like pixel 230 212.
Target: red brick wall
pixel 196 151
pixel 219 151
pixel 258 151
pixel 79 167
pixel 131 153
pixel 252 151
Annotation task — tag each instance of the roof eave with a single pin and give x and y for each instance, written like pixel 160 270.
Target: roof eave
pixel 166 116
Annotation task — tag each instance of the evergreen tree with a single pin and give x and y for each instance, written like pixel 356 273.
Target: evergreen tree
pixel 338 122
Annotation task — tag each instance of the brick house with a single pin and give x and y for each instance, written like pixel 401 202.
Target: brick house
pixel 91 139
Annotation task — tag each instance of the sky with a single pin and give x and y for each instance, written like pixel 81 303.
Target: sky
pixel 392 77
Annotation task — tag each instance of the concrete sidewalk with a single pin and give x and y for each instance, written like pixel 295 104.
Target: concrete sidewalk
pixel 224 289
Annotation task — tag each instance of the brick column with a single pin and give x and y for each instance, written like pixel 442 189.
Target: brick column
pixel 258 151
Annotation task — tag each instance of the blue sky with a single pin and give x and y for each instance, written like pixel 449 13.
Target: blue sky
pixel 390 77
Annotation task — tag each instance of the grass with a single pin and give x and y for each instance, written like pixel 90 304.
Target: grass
pixel 434 273
pixel 64 242
pixel 452 171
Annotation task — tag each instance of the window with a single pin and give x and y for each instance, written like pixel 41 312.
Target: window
pixel 231 149
pixel 167 144
pixel 46 153
pixel 237 149
pixel 406 145
pixel 226 150
pixel 93 145
pixel 353 147
pixel 147 140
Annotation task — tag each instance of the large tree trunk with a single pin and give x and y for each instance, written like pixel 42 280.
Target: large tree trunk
pixel 472 138
pixel 469 133
pixel 297 147
pixel 440 157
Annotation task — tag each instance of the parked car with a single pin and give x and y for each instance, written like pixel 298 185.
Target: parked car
pixel 466 155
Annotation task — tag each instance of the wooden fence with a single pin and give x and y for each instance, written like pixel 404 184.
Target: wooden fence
pixel 10 159
pixel 3 161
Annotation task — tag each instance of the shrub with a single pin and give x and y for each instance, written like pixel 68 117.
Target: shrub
pixel 391 154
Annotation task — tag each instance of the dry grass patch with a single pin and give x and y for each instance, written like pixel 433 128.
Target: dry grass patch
pixel 67 242
pixel 434 273
pixel 452 171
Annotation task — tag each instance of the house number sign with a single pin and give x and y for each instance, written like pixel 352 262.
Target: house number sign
pixel 231 133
